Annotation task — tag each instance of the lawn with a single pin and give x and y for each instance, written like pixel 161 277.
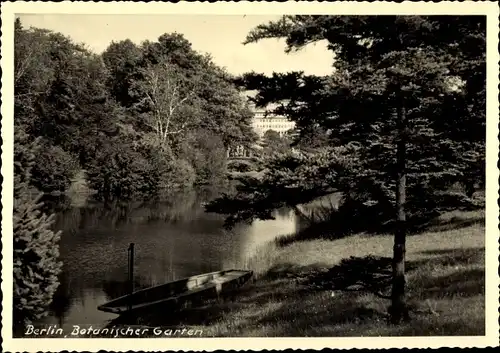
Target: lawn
pixel 339 287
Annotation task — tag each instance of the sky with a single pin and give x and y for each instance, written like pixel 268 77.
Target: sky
pixel 219 35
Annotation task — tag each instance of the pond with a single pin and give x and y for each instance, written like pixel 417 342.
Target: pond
pixel 173 239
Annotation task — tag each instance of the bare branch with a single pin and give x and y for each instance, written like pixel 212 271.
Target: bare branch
pixel 24 65
pixel 163 91
pixel 29 94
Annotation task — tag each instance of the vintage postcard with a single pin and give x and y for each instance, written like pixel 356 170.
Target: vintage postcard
pixel 249 176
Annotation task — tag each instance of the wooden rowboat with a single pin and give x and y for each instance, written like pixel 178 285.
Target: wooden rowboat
pixel 177 293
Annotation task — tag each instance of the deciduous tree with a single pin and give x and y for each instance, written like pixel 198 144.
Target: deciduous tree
pixel 166 102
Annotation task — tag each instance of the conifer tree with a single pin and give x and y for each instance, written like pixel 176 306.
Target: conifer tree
pixel 403 92
pixel 36 250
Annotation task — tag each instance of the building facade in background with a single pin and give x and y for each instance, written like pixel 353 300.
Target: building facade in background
pixel 263 121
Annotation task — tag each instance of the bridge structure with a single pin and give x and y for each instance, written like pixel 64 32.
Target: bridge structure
pixel 241 155
pixel 241 158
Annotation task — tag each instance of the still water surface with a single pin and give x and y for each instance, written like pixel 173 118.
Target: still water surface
pixel 173 239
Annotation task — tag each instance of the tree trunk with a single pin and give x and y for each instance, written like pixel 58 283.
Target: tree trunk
pixel 469 188
pixel 398 310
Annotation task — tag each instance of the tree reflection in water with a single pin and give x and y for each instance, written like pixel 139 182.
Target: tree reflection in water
pixel 174 239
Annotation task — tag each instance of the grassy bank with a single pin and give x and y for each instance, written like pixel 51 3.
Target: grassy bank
pixel 338 287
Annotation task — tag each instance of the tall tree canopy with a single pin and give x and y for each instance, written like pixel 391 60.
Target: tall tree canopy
pixel 406 95
pixel 136 119
pixel 60 96
pixel 204 89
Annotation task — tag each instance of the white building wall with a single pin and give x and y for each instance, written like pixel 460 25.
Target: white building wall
pixel 262 123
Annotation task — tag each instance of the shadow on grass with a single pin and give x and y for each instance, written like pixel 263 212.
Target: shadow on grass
pixel 373 274
pixel 369 274
pixel 452 257
pixel 347 299
pixel 455 222
pixel 465 283
pixel 340 223
pixel 357 279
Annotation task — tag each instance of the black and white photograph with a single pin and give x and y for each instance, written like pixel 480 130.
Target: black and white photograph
pixel 197 172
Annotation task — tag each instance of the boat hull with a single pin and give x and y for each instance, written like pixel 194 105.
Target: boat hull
pixel 178 294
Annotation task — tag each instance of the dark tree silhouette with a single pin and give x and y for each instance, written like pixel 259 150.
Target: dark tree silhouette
pixel 402 93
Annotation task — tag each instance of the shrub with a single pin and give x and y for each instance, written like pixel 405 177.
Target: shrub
pixel 36 265
pixel 238 166
pixel 120 172
pixel 206 153
pixel 54 169
pixel 179 172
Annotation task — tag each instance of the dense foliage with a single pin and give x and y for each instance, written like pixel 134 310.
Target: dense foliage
pixel 138 118
pixel 435 65
pixel 398 124
pixel 134 121
pixel 290 179
pixel 406 96
pixel 272 144
pixel 180 110
pixel 36 245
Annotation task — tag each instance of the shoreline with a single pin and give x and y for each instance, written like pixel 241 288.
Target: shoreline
pixel 341 287
pixel 334 288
